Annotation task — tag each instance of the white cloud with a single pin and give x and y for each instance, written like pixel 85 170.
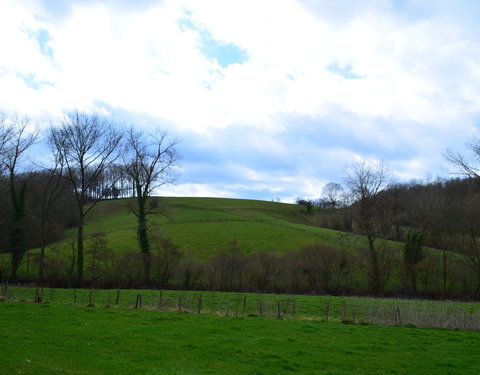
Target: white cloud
pixel 323 84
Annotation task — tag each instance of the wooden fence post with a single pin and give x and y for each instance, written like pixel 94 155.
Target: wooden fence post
pixel 200 303
pixel 138 302
pixel 326 310
pixel 160 301
pixel 117 299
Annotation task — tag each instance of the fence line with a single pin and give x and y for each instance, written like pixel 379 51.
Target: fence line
pixel 346 310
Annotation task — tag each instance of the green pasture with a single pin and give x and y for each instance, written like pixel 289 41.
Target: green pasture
pixel 384 311
pixel 205 226
pixel 64 339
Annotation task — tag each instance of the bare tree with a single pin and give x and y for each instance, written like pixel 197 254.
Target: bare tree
pixel 150 164
pixel 464 166
pixel 332 194
pixel 52 190
pixel 366 181
pixel 20 138
pixel 470 168
pixel 87 145
pixel 6 133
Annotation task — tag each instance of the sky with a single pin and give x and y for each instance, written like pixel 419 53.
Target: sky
pixel 269 99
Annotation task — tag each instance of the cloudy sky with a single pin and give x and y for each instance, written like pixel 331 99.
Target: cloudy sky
pixel 270 98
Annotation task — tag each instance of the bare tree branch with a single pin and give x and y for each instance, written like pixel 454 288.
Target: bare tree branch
pixel 87 145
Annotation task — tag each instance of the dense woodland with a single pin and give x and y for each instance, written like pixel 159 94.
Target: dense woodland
pixel 93 160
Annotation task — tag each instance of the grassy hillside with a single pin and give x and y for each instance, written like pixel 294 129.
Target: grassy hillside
pixel 205 226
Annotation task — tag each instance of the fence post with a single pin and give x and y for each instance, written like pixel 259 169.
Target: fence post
pixel 294 306
pixel 344 310
pixel 278 310
pixel 37 299
pixel 394 315
pixel 160 301
pixel 200 303
pixel 179 303
pixel 137 301
pixel 227 309
pixel 117 299
pixel 90 297
pixel 326 310
pixel 244 303
pixel 74 295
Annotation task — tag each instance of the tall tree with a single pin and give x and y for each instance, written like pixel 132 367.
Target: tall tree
pixel 87 145
pixel 332 194
pixel 51 191
pixel 6 133
pixel 19 140
pixel 150 165
pixel 412 256
pixel 466 166
pixel 366 181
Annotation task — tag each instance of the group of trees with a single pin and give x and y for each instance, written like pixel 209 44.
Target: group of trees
pixel 90 159
pixel 442 214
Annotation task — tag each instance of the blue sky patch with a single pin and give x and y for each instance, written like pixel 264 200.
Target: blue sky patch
pixel 344 71
pixel 31 82
pixel 224 53
pixel 43 37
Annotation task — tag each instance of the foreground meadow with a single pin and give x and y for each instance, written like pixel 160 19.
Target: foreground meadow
pixel 70 339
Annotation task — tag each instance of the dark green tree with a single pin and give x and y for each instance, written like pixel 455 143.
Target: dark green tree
pixel 412 255
pixel 20 139
pixel 150 165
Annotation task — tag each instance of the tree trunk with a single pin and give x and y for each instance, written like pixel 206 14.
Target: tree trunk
pixel 80 252
pixel 377 283
pixel 143 239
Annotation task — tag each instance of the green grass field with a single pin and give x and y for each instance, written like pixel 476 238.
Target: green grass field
pixel 383 311
pixel 64 339
pixel 206 226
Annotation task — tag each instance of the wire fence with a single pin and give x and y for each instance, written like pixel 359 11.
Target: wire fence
pixel 349 310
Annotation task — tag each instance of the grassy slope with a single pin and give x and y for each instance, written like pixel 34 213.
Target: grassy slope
pixel 205 226
pixel 54 339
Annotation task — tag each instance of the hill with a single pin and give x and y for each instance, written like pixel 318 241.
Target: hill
pixel 206 226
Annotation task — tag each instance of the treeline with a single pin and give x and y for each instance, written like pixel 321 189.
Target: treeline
pixel 316 269
pixel 85 159
pixel 442 214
